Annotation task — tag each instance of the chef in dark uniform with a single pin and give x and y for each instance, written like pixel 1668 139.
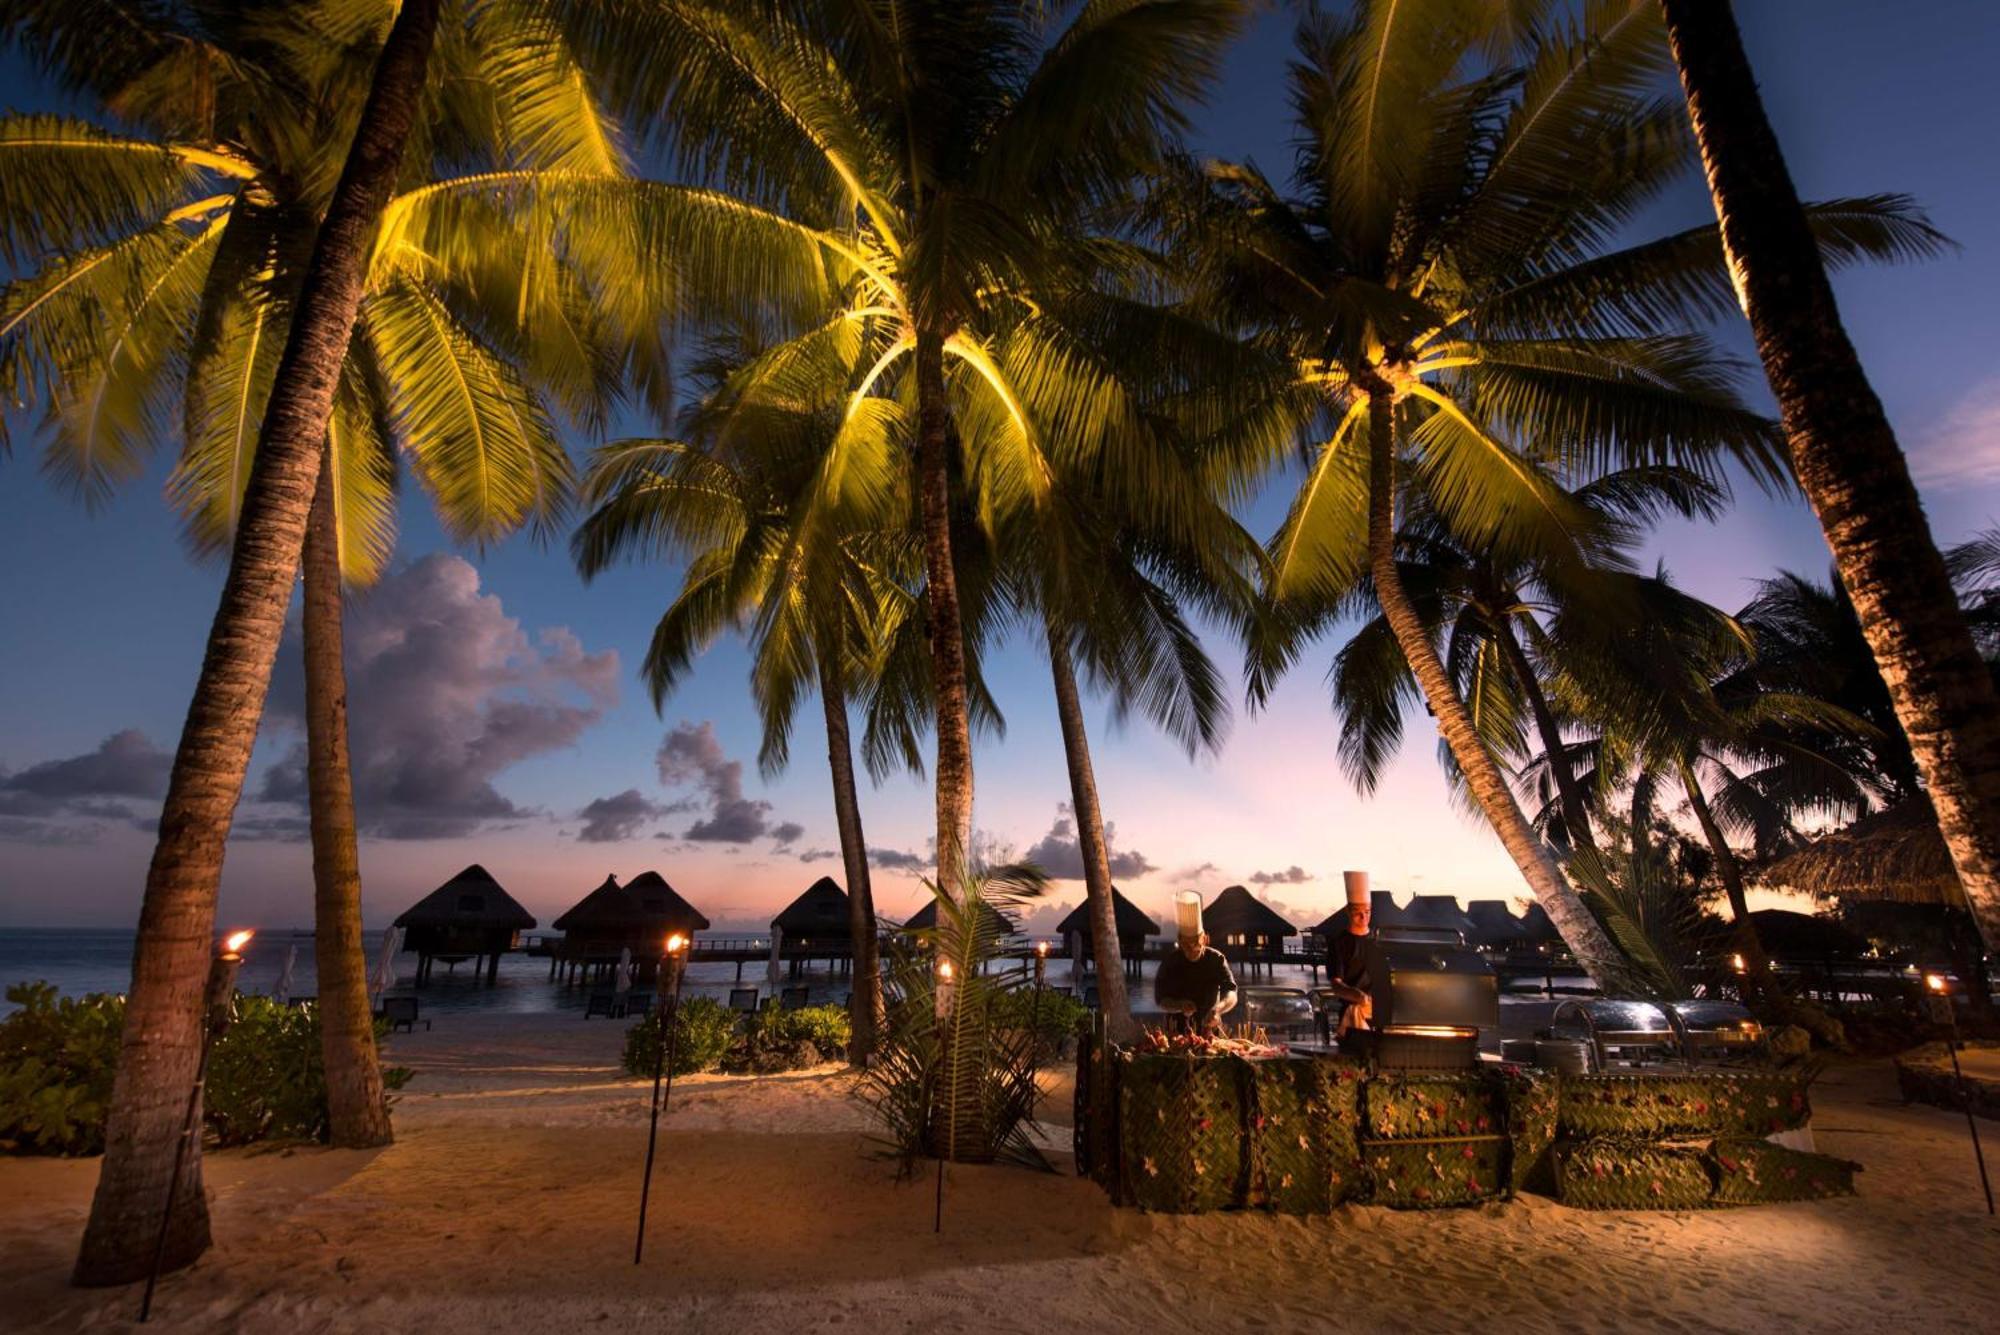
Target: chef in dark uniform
pixel 1194 982
pixel 1355 969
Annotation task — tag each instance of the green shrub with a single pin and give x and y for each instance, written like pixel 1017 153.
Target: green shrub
pixel 57 1055
pixel 56 1061
pixel 703 1030
pixel 1053 1017
pixel 827 1028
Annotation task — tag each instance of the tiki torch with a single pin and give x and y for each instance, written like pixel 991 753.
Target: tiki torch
pixel 943 999
pixel 220 992
pixel 672 962
pixel 1041 971
pixel 1942 1009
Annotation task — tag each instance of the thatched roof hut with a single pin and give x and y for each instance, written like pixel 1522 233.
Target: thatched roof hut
pixel 468 917
pixel 998 923
pixel 1789 935
pixel 1494 923
pixel 1239 923
pixel 663 906
pixel 820 914
pixel 1439 912
pixel 1133 928
pixel 1896 855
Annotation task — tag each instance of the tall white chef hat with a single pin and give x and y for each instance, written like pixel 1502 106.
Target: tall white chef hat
pixel 1357 886
pixel 1187 915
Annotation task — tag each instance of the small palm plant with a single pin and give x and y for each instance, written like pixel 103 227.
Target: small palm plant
pixel 953 1078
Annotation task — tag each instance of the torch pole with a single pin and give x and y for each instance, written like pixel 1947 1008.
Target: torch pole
pixel 943 999
pixel 214 1018
pixel 663 1070
pixel 1965 1097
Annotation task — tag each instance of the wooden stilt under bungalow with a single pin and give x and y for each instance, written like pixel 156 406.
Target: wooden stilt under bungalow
pixel 468 917
pixel 1133 929
pixel 1245 929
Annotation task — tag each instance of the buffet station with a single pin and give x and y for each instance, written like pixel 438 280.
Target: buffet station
pixel 1621 1106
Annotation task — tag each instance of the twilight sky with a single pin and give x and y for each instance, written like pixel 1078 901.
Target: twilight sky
pixel 497 716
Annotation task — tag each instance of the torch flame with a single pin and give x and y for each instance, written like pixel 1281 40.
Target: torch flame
pixel 944 970
pixel 1736 963
pixel 235 941
pixel 1934 981
pixel 1042 948
pixel 676 944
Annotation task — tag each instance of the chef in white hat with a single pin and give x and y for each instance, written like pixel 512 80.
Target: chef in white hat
pixel 1194 981
pixel 1355 969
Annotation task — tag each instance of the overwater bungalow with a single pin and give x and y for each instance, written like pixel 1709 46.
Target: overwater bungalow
pixel 816 923
pixel 614 918
pixel 1243 927
pixel 1001 925
pixel 469 917
pixel 1133 929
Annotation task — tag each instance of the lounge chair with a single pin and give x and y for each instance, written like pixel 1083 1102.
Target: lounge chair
pixel 401 1013
pixel 743 999
pixel 792 999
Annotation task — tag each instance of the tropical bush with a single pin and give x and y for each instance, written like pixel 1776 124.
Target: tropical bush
pixel 1053 1017
pixel 57 1055
pixel 776 1039
pixel 703 1031
pixel 960 1085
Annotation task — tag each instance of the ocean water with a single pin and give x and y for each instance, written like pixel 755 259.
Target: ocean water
pixel 80 961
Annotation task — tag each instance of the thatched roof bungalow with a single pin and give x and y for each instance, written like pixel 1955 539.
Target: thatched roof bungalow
pixel 1382 912
pixel 999 924
pixel 1133 929
pixel 1238 923
pixel 1439 913
pixel 468 917
pixel 816 918
pixel 1895 855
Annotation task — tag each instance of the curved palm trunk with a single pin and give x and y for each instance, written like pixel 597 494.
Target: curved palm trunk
pixel 1845 453
pixel 1112 1002
pixel 1575 805
pixel 1580 930
pixel 163 1014
pixel 1756 964
pixel 357 1114
pixel 947 631
pixel 865 1008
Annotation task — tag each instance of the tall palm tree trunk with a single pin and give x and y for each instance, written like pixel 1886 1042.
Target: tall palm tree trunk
pixel 1580 931
pixel 357 1113
pixel 865 1007
pixel 946 627
pixel 163 1014
pixel 1845 453
pixel 1575 804
pixel 1756 964
pixel 1112 1002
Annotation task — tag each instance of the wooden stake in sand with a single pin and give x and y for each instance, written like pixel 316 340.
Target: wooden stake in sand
pixel 215 1019
pixel 671 965
pixel 1941 1008
pixel 944 991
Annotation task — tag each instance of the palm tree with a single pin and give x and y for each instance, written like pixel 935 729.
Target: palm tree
pixel 1681 699
pixel 792 530
pixel 457 290
pixel 1489 611
pixel 163 1017
pixel 1448 322
pixel 934 161
pixel 1845 452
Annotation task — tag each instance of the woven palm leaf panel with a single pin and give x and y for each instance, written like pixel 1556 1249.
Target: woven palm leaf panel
pixel 1305 1123
pixel 1181 1133
pixel 1607 1173
pixel 1756 1172
pixel 1652 1107
pixel 1435 1139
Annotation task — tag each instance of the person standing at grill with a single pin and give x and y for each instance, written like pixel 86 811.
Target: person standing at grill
pixel 1355 969
pixel 1194 982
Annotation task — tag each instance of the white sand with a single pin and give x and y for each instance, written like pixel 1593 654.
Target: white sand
pixel 508 1202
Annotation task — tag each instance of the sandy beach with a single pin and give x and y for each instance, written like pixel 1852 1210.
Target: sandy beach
pixel 508 1203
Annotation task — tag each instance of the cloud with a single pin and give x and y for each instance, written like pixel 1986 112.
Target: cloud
pixel 818 854
pixel 608 820
pixel 59 802
pixel 893 859
pixel 448 693
pixel 785 834
pixel 1292 875
pixel 1060 855
pixel 692 755
pixel 1963 447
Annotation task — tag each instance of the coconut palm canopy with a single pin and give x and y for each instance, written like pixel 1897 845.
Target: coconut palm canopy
pixel 470 899
pixel 1895 855
pixel 1132 924
pixel 1237 912
pixel 820 911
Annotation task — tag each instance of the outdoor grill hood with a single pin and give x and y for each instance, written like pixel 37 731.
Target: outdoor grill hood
pixel 1436 981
